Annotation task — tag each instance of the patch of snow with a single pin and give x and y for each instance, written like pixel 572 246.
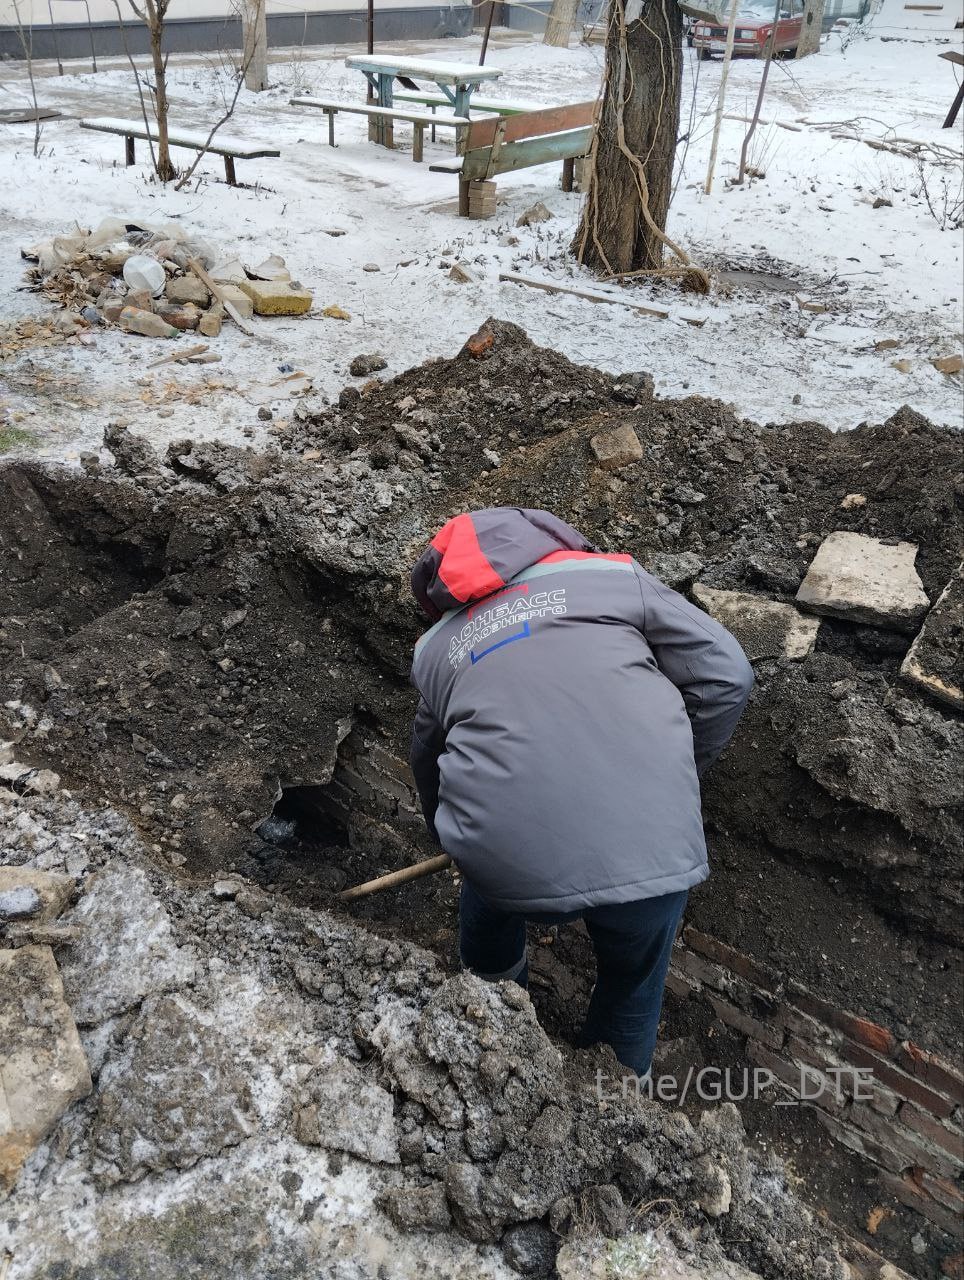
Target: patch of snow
pixel 889 272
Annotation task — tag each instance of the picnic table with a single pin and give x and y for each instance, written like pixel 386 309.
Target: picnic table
pixel 456 81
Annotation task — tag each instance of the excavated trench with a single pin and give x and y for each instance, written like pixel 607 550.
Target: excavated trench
pixel 218 645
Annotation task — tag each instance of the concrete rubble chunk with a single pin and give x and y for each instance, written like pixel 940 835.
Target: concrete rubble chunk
pixel 462 273
pixel 238 299
pixel 187 289
pixel 176 1093
pixel 43 1067
pixel 935 661
pixel 765 628
pixel 19 903
pixel 616 447
pixel 863 579
pixel 24 778
pixel 126 950
pixel 344 1111
pixel 535 213
pixel 418 1208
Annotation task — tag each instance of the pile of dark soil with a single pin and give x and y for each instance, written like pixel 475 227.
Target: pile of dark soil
pixel 233 614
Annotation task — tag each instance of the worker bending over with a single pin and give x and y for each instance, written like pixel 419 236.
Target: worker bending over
pixel 570 703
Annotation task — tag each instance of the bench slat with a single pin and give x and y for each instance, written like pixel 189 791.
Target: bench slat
pixel 386 113
pixel 235 148
pixel 532 124
pixel 488 105
pixel 480 163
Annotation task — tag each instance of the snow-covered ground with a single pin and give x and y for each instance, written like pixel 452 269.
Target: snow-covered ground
pixel 891 272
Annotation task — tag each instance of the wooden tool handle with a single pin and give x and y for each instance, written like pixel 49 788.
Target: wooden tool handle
pixel 415 872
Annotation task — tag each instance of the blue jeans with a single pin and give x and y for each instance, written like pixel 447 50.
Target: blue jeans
pixel 633 942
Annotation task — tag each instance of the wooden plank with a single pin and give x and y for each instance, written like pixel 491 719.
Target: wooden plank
pixel 216 292
pixel 535 124
pixel 24 115
pixel 590 296
pixel 219 146
pixel 486 105
pixel 387 113
pixel 482 163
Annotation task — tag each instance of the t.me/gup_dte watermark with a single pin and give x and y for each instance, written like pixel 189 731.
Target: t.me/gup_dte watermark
pixel 812 1085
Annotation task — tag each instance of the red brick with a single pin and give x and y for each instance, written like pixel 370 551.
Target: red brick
pixel 814 1054
pixel 730 958
pixel 857 1140
pixel 949 1140
pixel 680 985
pixel 783 1070
pixel 862 1030
pixel 910 1147
pixel 908 1192
pixel 948 1193
pixel 807 1028
pixel 480 343
pixel 742 1022
pixel 932 1069
pixel 705 971
pixel 902 1084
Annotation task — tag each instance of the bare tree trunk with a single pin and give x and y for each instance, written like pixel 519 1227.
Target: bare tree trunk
pixel 156 12
pixel 255 24
pixel 631 162
pixel 559 25
pixel 27 47
pixel 812 28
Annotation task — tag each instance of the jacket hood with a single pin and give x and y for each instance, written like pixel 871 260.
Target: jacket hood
pixel 480 551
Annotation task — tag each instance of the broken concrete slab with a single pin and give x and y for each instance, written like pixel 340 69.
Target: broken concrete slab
pixel 127 948
pixel 616 447
pixel 43 1067
pixel 935 661
pixel 863 579
pixel 344 1111
pixel 277 297
pixel 765 628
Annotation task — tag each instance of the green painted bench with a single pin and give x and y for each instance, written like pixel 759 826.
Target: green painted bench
pixel 506 143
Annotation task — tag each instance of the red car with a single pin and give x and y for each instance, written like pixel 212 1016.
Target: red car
pixel 754 24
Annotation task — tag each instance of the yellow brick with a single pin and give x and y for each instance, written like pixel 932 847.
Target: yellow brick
pixel 276 297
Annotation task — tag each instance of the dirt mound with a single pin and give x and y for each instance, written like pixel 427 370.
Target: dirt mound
pixel 236 615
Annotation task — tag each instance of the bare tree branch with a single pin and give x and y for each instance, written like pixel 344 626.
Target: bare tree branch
pixel 28 55
pixel 137 81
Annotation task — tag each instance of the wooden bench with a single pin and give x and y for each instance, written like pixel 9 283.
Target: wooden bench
pixel 388 115
pixel 230 148
pixel 507 143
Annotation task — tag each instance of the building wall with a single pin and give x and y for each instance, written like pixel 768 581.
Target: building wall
pixel 211 25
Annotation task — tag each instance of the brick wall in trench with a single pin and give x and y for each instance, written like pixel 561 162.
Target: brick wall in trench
pixel 893 1102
